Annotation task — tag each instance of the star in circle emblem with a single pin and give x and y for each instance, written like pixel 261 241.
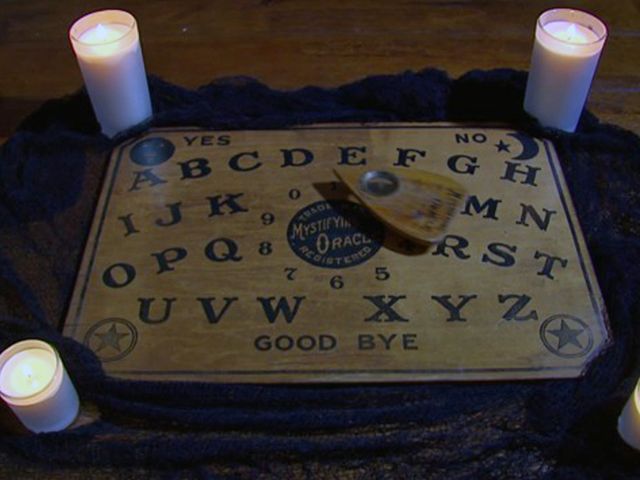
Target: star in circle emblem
pixel 566 336
pixel 111 338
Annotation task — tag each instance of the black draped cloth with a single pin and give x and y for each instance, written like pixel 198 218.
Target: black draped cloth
pixel 50 173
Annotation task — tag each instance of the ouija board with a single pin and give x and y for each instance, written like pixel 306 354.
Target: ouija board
pixel 238 256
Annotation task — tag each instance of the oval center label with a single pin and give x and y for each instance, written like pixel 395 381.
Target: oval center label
pixel 335 234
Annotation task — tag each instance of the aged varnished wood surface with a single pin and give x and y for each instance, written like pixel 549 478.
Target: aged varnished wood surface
pixel 289 44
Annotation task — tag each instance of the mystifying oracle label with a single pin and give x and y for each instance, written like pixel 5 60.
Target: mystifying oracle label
pixel 335 234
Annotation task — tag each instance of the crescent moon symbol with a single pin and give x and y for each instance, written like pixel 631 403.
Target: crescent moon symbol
pixel 530 147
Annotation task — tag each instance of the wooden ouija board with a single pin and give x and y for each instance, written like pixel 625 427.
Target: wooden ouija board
pixel 238 256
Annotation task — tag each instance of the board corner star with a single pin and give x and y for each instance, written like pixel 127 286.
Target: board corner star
pixel 567 335
pixel 111 338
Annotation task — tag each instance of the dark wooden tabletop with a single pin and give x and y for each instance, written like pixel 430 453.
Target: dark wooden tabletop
pixel 290 44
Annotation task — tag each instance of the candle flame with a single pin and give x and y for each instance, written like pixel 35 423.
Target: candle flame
pixel 27 371
pixel 29 374
pixel 101 33
pixel 571 32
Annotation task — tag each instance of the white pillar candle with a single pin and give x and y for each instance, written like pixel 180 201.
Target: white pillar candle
pixel 565 55
pixel 36 386
pixel 629 420
pixel 107 47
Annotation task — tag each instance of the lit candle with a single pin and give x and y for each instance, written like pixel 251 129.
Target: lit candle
pixel 629 420
pixel 107 47
pixel 36 386
pixel 565 55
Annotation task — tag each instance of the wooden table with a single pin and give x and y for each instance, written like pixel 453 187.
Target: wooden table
pixel 290 44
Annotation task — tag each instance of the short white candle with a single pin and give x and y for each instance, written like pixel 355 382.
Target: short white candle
pixel 107 47
pixel 629 420
pixel 565 55
pixel 36 386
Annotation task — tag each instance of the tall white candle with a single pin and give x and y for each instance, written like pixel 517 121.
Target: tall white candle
pixel 36 386
pixel 629 420
pixel 565 55
pixel 107 47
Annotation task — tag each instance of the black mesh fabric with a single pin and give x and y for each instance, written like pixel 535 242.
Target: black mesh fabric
pixel 50 173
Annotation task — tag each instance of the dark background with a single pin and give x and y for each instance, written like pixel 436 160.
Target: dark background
pixel 292 43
